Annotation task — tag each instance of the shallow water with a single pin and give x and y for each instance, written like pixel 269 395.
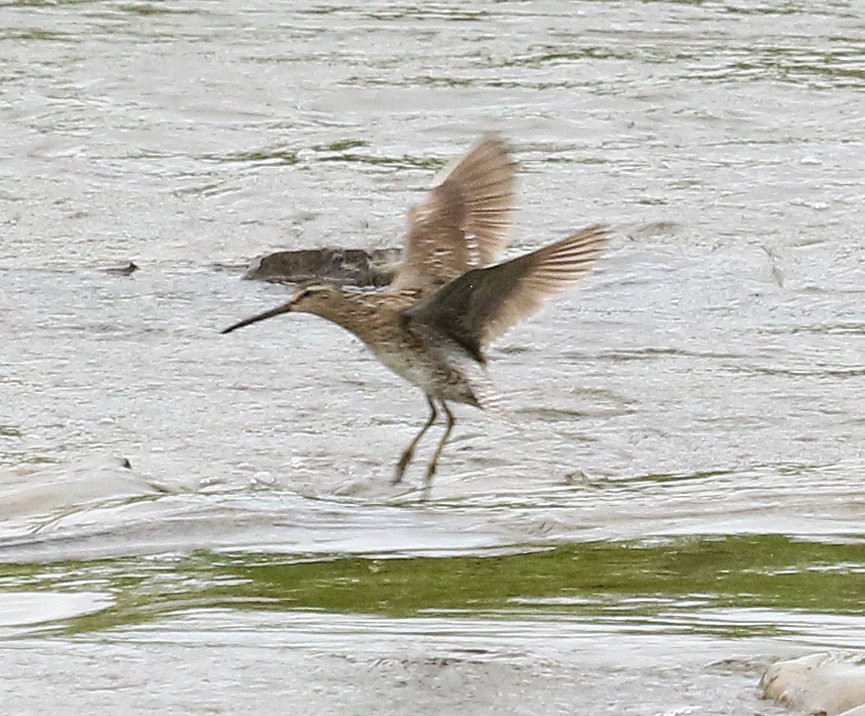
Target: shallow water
pixel 678 500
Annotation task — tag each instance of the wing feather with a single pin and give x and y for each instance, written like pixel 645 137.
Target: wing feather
pixel 482 304
pixel 464 221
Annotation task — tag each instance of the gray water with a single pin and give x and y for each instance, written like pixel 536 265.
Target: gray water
pixel 678 501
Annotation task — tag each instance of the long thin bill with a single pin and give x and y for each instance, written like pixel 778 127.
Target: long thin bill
pixel 284 308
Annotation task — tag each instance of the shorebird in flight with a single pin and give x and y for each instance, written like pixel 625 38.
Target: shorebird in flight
pixel 449 299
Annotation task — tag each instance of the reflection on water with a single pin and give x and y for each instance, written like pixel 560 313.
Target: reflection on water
pixel 680 582
pixel 680 485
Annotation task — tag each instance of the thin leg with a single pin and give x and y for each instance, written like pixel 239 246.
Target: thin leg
pixel 431 470
pixel 408 453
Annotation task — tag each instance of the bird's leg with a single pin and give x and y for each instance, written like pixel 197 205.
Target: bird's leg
pixel 431 470
pixel 408 453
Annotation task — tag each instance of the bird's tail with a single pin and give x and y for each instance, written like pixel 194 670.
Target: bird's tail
pixel 489 398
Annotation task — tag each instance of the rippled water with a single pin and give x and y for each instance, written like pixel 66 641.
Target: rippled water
pixel 678 501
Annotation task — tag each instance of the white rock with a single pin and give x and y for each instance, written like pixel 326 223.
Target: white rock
pixel 826 683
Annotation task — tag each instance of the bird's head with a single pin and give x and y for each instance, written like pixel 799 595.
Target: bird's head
pixel 310 297
pixel 313 295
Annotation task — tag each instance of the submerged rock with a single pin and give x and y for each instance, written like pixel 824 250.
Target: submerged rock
pixel 357 267
pixel 31 490
pixel 826 683
pixel 125 270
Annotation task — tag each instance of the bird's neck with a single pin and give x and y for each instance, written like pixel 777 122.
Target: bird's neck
pixel 354 312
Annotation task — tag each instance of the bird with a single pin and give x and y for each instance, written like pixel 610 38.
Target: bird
pixel 450 297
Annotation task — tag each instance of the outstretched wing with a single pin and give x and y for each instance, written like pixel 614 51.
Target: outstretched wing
pixel 464 221
pixel 482 304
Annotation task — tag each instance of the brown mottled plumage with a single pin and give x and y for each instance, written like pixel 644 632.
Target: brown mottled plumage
pixel 446 301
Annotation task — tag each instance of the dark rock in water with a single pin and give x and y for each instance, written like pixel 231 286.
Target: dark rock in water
pixel 347 266
pixel 124 270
